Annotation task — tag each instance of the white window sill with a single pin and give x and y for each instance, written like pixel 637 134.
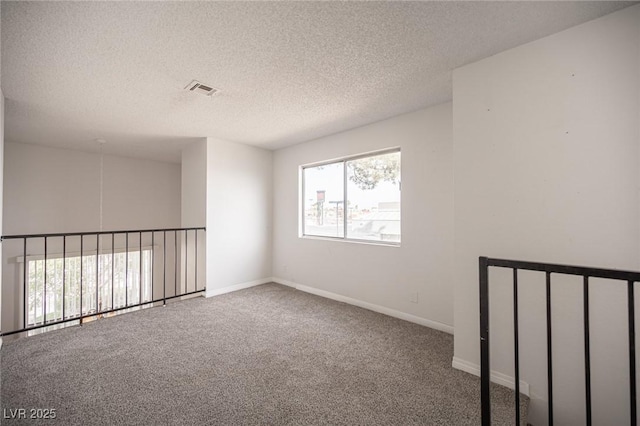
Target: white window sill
pixel 352 241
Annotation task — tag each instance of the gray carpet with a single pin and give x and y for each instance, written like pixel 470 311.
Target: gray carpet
pixel 265 355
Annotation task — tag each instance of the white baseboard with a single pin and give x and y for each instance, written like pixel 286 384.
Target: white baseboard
pixel 236 287
pixel 366 305
pixel 496 377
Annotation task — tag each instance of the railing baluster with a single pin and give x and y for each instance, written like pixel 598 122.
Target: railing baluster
pixel 632 352
pixel 175 262
pixel 64 274
pixel 24 282
pixel 186 262
pixel 126 269
pixel 113 256
pixel 140 274
pixel 97 275
pixel 587 351
pixel 164 268
pixel 549 352
pixel 196 260
pixel 153 255
pixel 485 374
pixel 516 345
pixel 44 296
pixel 81 274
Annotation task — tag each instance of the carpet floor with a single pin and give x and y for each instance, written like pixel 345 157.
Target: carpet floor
pixel 266 355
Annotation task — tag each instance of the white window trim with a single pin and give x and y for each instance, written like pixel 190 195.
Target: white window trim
pixel 351 240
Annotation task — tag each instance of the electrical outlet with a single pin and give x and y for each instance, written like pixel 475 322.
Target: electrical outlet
pixel 413 297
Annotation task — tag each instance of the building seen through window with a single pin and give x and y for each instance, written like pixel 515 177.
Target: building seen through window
pixel 356 198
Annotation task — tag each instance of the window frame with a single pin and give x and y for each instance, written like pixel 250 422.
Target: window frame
pixel 345 180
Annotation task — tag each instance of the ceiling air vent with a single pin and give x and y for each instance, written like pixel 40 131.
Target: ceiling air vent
pixel 197 87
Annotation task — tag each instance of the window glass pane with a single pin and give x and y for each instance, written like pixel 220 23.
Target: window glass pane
pixel 324 200
pixel 35 288
pixel 373 198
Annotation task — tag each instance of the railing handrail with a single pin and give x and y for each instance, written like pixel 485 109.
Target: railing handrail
pixel 626 277
pixel 123 280
pixel 78 234
pixel 614 274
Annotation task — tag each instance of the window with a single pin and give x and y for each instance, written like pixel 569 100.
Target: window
pixel 356 198
pixel 111 284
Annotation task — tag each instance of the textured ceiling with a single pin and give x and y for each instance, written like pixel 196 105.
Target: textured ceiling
pixel 288 71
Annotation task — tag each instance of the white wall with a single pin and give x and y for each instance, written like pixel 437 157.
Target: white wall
pixel 58 190
pixel 194 184
pixel 194 206
pixel 239 215
pixel 383 276
pixel 49 190
pixel 546 163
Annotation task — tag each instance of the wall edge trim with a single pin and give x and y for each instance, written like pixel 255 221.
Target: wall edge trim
pixel 236 287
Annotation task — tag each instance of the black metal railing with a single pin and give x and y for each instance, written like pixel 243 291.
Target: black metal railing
pixel 81 276
pixel 628 277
